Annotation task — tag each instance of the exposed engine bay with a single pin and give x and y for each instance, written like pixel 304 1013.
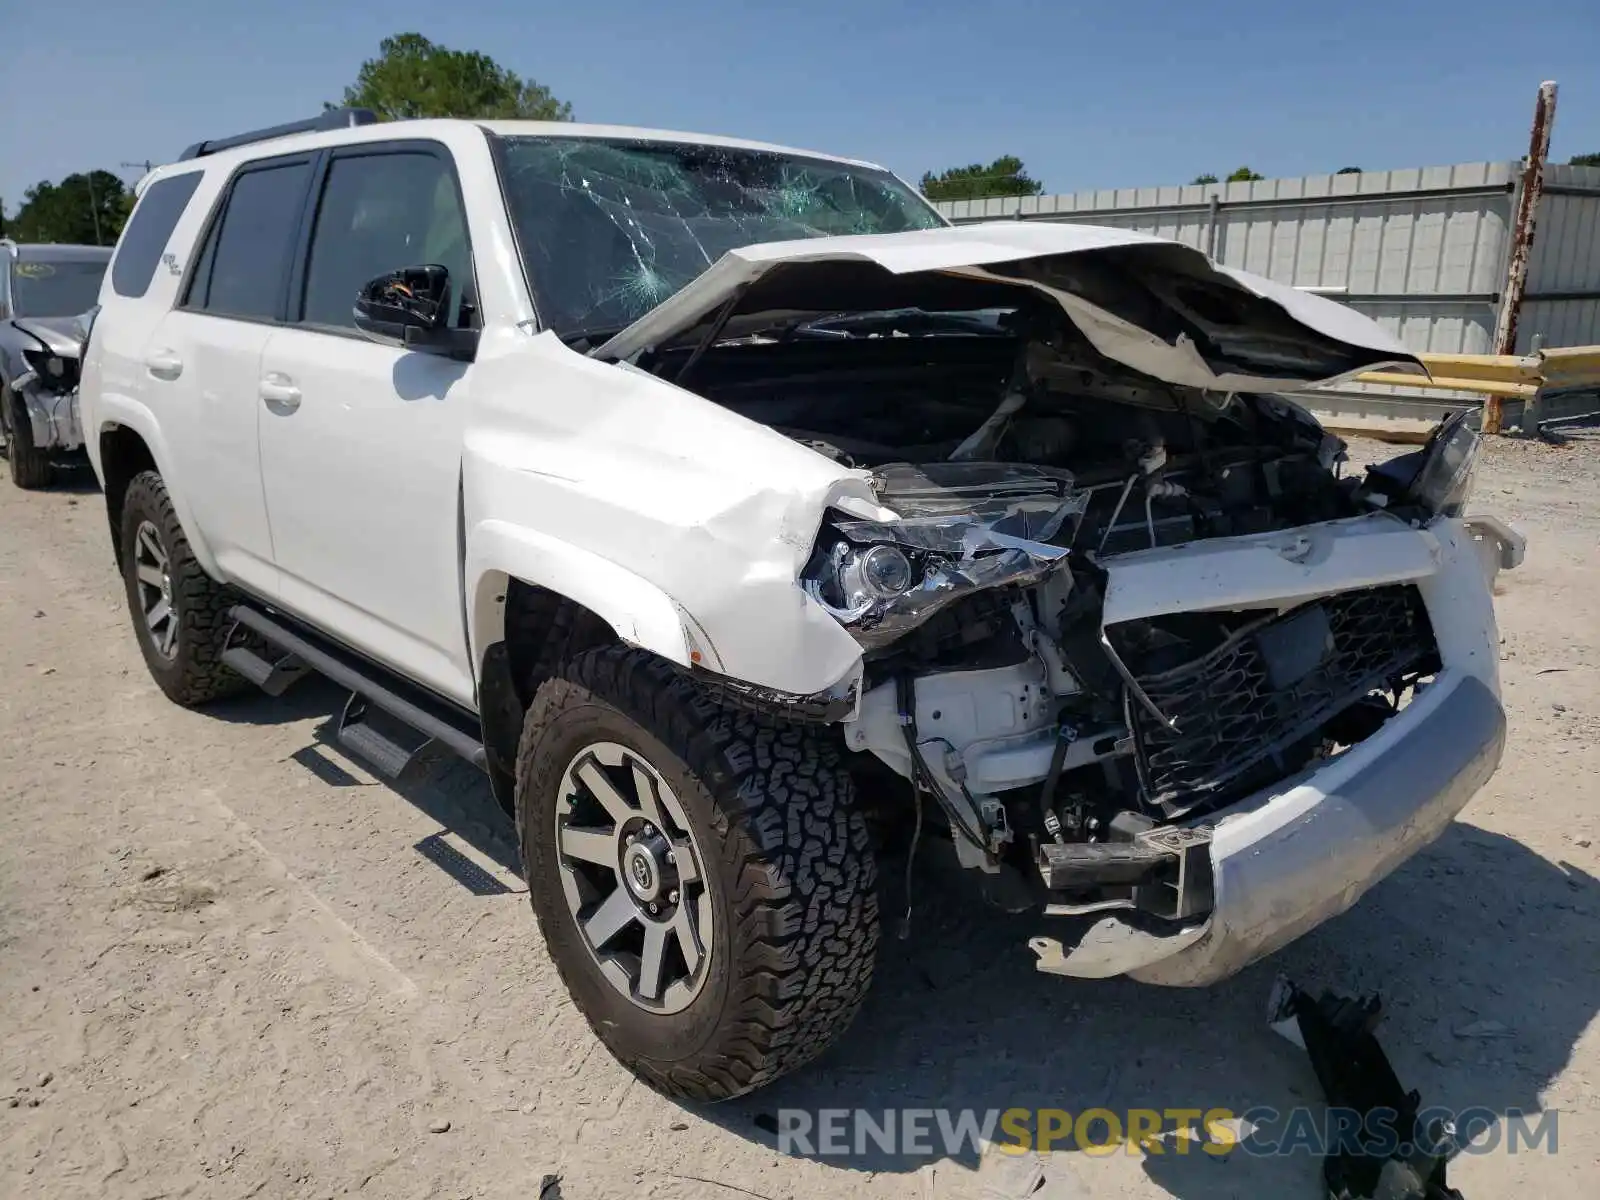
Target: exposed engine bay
pixel 1017 461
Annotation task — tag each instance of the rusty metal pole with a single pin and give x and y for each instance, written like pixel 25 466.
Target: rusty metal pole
pixel 1522 230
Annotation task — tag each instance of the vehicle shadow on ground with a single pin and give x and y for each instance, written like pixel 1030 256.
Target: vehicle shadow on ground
pixel 452 793
pixel 73 480
pixel 1477 929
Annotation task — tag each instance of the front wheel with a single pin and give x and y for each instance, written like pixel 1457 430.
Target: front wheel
pixel 701 876
pixel 180 614
pixel 30 466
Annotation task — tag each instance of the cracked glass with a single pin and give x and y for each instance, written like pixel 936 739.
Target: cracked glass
pixel 609 228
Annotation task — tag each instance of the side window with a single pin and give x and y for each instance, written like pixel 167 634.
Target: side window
pixel 245 261
pixel 145 238
pixel 380 212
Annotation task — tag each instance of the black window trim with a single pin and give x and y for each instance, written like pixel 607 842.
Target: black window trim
pixel 295 292
pixel 219 208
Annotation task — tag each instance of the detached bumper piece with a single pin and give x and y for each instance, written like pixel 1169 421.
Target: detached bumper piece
pixel 1392 1158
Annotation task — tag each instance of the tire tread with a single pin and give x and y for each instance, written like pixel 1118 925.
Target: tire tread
pixel 202 602
pixel 804 906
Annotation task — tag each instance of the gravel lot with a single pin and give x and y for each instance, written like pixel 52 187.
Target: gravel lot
pixel 229 967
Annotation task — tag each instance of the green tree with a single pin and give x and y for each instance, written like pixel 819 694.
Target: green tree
pixel 88 209
pixel 1348 171
pixel 414 77
pixel 1005 176
pixel 1244 175
pixel 1584 160
pixel 1203 179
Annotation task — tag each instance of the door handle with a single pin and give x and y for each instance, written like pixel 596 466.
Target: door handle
pixel 279 393
pixel 163 364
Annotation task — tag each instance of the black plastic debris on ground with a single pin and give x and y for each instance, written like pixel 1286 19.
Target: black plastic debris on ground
pixel 1386 1157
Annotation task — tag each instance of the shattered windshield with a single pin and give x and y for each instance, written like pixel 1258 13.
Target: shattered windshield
pixel 608 229
pixel 55 289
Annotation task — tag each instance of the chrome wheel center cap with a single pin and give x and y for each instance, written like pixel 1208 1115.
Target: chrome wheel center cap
pixel 642 872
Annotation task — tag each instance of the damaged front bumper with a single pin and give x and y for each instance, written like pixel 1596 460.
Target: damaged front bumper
pixel 53 415
pixel 1297 853
pixel 1288 859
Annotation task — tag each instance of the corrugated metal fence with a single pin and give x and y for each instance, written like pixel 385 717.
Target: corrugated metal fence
pixel 1424 252
pixel 1563 301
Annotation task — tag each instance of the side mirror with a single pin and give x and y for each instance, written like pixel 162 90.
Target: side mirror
pixel 412 305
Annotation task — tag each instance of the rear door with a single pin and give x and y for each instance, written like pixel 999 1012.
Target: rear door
pixel 207 352
pixel 361 437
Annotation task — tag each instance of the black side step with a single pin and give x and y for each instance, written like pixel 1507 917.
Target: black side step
pixel 272 676
pixel 378 741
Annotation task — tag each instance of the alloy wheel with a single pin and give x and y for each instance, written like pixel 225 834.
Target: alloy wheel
pixel 632 874
pixel 152 568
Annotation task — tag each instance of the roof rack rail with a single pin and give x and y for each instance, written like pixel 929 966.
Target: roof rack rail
pixel 333 118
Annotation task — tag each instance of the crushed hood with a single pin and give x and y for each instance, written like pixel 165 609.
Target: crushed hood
pixel 1157 306
pixel 59 335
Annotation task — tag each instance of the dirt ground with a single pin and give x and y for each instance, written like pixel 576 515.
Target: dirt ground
pixel 231 966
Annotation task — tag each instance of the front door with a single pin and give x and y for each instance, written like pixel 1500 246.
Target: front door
pixel 360 437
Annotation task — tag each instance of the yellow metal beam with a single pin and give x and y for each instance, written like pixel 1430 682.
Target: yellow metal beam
pixel 1505 368
pixel 1570 365
pixel 1485 387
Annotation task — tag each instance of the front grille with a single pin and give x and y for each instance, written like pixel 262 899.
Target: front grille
pixel 1239 708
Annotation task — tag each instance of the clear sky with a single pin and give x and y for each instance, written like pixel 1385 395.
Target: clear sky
pixel 1119 93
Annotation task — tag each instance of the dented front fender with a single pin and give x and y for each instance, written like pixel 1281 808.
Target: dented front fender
pixel 693 522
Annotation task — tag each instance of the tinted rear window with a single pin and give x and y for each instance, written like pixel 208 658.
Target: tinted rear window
pixel 145 238
pixel 243 269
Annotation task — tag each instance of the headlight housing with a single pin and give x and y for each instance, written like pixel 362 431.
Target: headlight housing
pixel 880 580
pixel 55 373
pixel 850 580
pixel 1449 465
pixel 1438 477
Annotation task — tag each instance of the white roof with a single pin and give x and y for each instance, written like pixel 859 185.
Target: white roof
pixel 421 128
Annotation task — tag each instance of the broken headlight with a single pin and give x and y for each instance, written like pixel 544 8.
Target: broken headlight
pixel 882 579
pixel 1449 461
pixel 55 373
pixel 851 580
pixel 1438 477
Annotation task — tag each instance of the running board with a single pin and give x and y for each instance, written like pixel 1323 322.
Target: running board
pixel 382 708
pixel 272 676
pixel 383 743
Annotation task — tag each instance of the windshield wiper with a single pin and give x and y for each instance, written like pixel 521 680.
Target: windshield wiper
pixel 593 336
pixel 911 321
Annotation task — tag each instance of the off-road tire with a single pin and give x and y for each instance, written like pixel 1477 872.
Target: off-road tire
pixel 195 674
pixel 787 858
pixel 30 466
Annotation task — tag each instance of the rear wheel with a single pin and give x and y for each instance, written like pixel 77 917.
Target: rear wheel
pixel 701 875
pixel 30 466
pixel 180 614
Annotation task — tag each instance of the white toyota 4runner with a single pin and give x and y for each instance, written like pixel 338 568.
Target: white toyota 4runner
pixel 698 489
